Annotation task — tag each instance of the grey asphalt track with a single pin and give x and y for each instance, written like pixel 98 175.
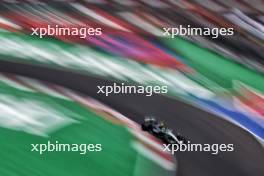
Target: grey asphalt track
pixel 197 125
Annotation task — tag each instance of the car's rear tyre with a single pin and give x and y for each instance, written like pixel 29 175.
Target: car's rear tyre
pixel 144 127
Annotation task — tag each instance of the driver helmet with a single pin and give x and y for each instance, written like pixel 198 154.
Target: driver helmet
pixel 161 125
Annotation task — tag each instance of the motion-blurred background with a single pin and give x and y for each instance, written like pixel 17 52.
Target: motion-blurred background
pixel 216 85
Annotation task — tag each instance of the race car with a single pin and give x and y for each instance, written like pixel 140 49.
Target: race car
pixel 159 130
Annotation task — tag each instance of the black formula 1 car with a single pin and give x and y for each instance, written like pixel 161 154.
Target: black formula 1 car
pixel 159 130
